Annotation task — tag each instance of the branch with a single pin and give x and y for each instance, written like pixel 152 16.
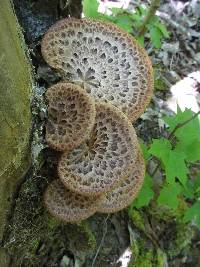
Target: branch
pixel 150 13
pixel 172 135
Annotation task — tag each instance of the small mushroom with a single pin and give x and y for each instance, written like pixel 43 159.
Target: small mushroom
pixel 126 192
pixel 105 60
pixel 98 165
pixel 67 206
pixel 71 116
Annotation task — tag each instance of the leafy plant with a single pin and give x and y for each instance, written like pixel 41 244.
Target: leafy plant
pixel 178 189
pixel 175 155
pixel 130 21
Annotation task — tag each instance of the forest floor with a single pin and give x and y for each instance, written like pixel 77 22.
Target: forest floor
pixel 104 240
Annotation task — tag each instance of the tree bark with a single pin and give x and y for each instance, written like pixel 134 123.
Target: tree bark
pixel 15 115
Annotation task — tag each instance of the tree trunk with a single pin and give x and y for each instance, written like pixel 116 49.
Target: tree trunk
pixel 15 116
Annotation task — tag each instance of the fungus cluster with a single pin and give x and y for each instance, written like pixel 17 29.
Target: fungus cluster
pixel 107 83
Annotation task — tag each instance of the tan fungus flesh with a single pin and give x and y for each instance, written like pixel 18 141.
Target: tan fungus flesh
pixel 67 206
pixel 105 159
pixel 71 116
pixel 124 194
pixel 105 60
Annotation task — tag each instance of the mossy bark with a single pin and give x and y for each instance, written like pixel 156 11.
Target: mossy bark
pixel 15 115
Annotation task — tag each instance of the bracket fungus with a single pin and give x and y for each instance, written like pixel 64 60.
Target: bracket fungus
pixel 105 60
pixel 67 206
pixel 101 168
pixel 71 116
pixel 105 159
pixel 122 196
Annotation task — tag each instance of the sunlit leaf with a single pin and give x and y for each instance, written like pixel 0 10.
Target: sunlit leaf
pixel 193 214
pixel 155 36
pixel 169 195
pixel 90 8
pixel 146 193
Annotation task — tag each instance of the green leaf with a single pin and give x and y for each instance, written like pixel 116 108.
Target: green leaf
pixel 154 20
pixel 173 160
pixel 124 22
pixel 169 195
pixel 196 182
pixel 140 40
pixel 193 214
pixel 145 151
pixel 160 148
pixel 146 193
pixel 189 131
pixel 90 8
pixel 142 10
pixel 155 36
pixel 163 29
pixel 188 136
pixel 192 190
pixel 136 17
pixel 188 190
pixel 175 167
pixel 190 148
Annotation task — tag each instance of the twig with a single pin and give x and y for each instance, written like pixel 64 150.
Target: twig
pixel 151 12
pixel 102 240
pixel 171 136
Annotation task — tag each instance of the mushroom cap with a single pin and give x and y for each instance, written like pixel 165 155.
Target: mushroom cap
pixel 71 116
pixel 98 165
pixel 122 196
pixel 105 60
pixel 68 206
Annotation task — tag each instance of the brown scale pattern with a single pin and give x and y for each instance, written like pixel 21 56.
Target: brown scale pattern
pixel 98 165
pixel 124 194
pixel 71 116
pixel 105 60
pixel 67 206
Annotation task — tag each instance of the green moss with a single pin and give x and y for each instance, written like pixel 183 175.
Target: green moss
pixel 35 244
pixel 161 258
pixel 81 237
pixel 34 238
pixel 137 219
pixel 159 83
pixel 182 238
pixel 15 115
pixel 52 222
pixel 4 258
pixel 144 259
pixel 146 256
pixel 144 253
pixel 162 213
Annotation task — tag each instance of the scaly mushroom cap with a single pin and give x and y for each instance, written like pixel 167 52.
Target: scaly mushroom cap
pixel 124 194
pixel 106 61
pixel 105 159
pixel 71 116
pixel 68 206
